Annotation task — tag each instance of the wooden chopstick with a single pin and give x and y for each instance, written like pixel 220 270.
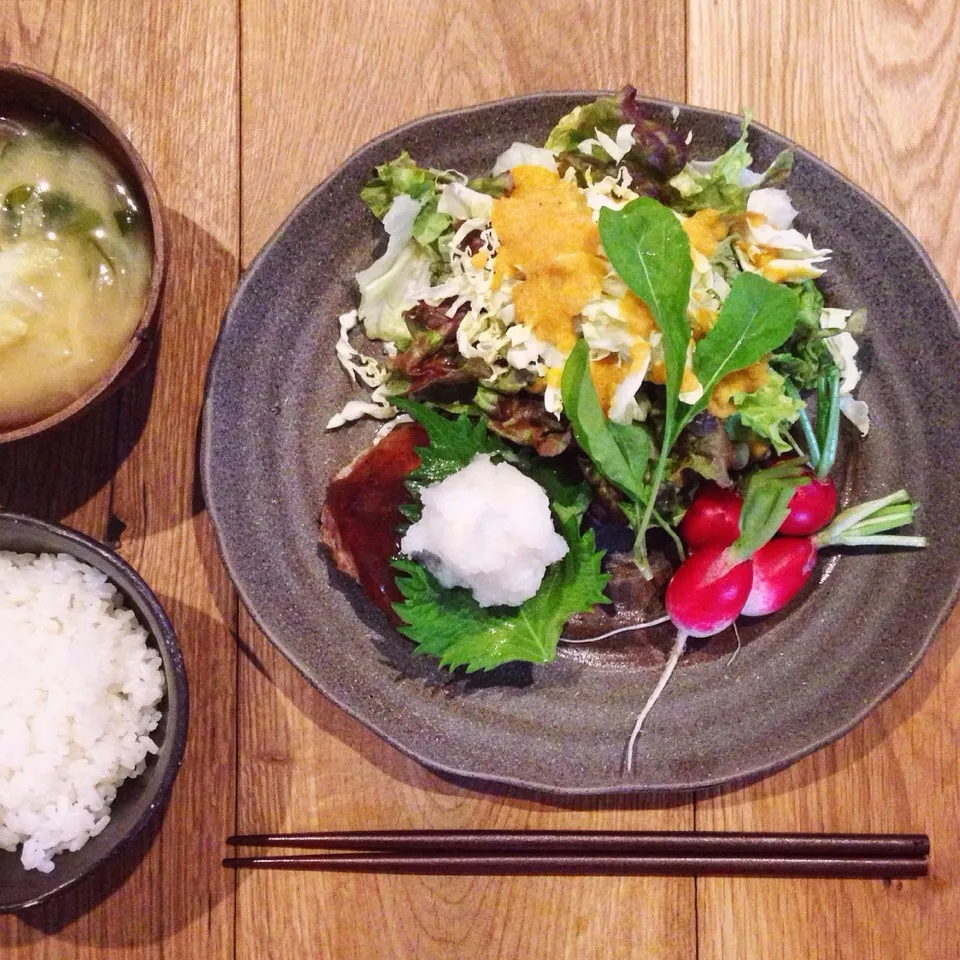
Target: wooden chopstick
pixel 515 852
pixel 557 864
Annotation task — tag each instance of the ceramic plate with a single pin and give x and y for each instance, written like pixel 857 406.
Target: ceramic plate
pixel 801 678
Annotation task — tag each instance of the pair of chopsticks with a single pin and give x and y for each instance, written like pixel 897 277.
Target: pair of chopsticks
pixel 516 852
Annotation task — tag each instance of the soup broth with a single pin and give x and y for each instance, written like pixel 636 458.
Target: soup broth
pixel 75 265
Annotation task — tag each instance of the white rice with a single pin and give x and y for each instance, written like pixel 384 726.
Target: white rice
pixel 79 688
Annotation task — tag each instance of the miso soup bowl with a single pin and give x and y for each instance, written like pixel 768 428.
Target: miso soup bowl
pixel 29 90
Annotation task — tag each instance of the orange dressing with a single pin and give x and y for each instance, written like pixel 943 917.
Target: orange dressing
pixel 701 320
pixel 550 244
pixel 609 372
pixel 705 229
pixel 746 380
pixel 658 374
pixel 606 375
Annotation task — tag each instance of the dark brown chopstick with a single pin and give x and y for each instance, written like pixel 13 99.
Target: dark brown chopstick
pixel 556 864
pixel 608 842
pixel 515 852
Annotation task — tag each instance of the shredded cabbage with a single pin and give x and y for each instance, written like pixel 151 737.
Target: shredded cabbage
pixel 524 154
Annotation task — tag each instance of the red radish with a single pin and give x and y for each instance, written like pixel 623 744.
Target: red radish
pixel 757 574
pixel 704 596
pixel 811 507
pixel 783 565
pixel 712 518
pixel 780 568
pixel 707 591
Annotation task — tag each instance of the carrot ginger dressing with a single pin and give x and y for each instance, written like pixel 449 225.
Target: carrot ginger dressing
pixel 550 244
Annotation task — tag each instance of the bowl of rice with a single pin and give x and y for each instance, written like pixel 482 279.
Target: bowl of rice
pixel 93 707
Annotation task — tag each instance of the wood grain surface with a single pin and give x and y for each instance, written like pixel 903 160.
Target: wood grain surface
pixel 167 73
pixel 241 106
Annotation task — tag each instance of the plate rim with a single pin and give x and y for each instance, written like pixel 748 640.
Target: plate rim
pixel 448 770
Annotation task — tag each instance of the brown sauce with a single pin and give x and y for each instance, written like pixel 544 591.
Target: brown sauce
pixel 363 505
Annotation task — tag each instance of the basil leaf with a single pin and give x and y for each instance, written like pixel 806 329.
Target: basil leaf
pixel 649 250
pixel 756 317
pixel 619 451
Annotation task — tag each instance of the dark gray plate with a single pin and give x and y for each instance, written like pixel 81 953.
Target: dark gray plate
pixel 802 678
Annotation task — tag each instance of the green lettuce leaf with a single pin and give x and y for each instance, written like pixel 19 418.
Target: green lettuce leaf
pixel 721 189
pixel 404 176
pixel 492 186
pixel 769 411
pixel 450 625
pixel 582 122
pixel 805 355
pixel 395 177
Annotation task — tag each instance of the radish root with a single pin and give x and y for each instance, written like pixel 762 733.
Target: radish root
pixel 680 644
pixel 736 652
pixel 612 633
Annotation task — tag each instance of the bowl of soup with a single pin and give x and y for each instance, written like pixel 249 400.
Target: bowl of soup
pixel 82 254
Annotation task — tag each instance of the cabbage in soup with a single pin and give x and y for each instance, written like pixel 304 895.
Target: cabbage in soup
pixel 75 263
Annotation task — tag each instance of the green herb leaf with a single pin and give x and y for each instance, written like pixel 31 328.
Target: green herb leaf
pixel 649 250
pixel 756 317
pixel 766 505
pixel 619 451
pixel 453 443
pixel 449 623
pixel 451 626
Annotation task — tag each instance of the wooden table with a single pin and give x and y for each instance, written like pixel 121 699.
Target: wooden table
pixel 239 107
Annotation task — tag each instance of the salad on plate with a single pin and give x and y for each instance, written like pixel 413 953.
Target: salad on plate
pixel 612 395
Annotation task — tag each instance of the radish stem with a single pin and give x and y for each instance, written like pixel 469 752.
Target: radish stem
pixel 671 533
pixel 675 654
pixel 853 516
pixel 813 448
pixel 828 440
pixel 865 525
pixel 883 541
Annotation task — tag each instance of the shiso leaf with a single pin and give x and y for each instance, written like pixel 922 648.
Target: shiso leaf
pixel 453 443
pixel 450 625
